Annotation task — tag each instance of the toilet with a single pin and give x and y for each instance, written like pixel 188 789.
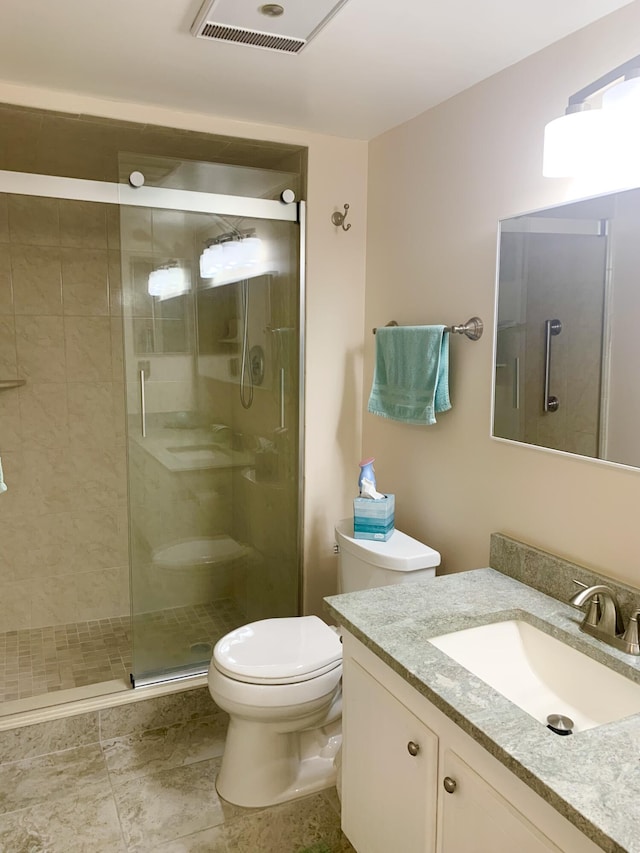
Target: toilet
pixel 280 681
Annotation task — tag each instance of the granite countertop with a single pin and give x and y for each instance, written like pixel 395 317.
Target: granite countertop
pixel 592 777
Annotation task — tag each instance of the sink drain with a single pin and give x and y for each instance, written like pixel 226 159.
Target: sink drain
pixel 202 650
pixel 560 724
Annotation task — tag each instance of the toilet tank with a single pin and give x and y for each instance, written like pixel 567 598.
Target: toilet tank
pixel 365 563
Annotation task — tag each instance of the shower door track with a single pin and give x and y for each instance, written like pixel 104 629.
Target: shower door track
pixel 104 192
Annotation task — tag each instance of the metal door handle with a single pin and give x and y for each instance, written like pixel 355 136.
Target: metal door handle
pixel 551 328
pixel 143 408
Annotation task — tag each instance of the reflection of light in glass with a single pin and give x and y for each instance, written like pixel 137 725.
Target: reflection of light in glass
pixel 231 261
pixel 168 281
pixel 211 261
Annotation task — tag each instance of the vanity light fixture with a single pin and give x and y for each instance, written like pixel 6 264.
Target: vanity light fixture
pixel 231 258
pixel 588 136
pixel 168 280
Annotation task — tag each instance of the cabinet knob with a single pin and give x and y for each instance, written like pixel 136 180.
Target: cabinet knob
pixel 449 784
pixel 414 748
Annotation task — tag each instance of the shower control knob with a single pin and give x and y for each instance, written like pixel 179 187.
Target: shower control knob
pixel 413 748
pixel 136 179
pixel 449 784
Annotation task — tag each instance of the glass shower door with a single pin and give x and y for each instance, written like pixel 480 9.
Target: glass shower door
pixel 212 300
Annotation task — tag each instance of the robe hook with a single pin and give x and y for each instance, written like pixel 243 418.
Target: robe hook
pixel 338 218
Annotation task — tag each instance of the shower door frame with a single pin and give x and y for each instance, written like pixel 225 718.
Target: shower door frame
pixel 190 201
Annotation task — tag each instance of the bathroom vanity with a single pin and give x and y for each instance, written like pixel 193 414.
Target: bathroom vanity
pixel 437 761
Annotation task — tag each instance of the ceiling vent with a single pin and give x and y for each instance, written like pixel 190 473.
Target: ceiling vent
pixel 286 27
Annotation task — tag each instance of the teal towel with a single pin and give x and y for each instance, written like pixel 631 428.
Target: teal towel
pixel 411 378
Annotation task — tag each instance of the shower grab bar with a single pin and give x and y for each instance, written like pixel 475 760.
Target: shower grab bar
pixel 551 328
pixel 472 329
pixel 143 407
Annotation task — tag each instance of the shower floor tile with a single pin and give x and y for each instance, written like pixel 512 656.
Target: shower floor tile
pixel 60 657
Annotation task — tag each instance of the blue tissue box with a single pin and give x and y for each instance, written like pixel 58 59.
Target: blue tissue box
pixel 374 519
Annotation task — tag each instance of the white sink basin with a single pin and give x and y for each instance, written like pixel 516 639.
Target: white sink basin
pixel 542 675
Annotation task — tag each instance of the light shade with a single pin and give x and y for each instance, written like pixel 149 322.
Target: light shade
pixel 232 261
pixel 168 281
pixel 573 143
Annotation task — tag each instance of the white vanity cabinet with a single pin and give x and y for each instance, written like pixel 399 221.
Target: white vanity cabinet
pixel 413 781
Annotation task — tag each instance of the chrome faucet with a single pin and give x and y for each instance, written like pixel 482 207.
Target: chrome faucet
pixel 604 620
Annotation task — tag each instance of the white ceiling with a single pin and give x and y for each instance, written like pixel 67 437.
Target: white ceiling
pixel 375 65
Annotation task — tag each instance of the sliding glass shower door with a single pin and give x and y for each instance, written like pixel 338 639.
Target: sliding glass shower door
pixel 212 340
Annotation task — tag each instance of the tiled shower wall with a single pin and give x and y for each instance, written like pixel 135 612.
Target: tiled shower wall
pixel 64 521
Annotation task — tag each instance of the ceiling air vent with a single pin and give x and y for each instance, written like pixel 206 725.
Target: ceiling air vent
pixel 286 27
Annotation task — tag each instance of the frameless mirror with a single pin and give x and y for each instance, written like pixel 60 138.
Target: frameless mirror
pixel 567 329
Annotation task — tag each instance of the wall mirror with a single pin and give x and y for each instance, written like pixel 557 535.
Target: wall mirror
pixel 568 329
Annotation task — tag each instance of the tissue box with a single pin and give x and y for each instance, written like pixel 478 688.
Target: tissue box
pixel 374 519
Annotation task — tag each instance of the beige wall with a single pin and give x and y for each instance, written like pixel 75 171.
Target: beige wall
pixel 437 186
pixel 337 173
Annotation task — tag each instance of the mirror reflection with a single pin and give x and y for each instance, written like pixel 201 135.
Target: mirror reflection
pixel 567 343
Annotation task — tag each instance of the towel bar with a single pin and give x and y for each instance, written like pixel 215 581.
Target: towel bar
pixel 472 329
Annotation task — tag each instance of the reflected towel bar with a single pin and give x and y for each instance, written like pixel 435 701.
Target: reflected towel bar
pixel 472 329
pixel 5 384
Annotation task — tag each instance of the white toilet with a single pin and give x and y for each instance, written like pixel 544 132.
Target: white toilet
pixel 279 681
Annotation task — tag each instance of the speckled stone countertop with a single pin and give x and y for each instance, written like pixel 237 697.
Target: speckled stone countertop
pixel 591 777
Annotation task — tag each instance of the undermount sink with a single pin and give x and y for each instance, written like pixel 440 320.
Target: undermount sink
pixel 541 674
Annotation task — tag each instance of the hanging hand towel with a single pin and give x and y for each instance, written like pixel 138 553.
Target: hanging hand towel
pixel 411 378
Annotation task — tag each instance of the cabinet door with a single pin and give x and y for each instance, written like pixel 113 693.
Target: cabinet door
pixel 388 793
pixel 476 819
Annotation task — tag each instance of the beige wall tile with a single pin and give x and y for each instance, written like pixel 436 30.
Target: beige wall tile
pixel 172 233
pixel 135 229
pixel 40 348
pixel 91 413
pixel 119 415
pixel 117 349
pixel 43 414
pixel 6 290
pixel 115 284
pixel 10 430
pixel 88 348
pixel 83 224
pixel 113 227
pixel 37 281
pixel 94 476
pixel 22 498
pixel 98 594
pixel 4 218
pixel 8 360
pixel 48 476
pixel 15 606
pixel 54 601
pixel 34 221
pixel 85 282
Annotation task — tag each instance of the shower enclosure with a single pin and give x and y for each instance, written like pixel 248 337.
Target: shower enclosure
pixel 151 393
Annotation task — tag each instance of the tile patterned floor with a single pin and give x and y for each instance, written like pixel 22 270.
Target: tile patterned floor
pixel 152 792
pixel 43 660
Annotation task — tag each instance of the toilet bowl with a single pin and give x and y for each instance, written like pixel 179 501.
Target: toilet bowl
pixel 279 681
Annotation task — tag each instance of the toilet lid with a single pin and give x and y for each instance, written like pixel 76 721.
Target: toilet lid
pixel 279 651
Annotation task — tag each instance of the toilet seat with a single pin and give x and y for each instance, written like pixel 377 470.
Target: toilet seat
pixel 278 651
